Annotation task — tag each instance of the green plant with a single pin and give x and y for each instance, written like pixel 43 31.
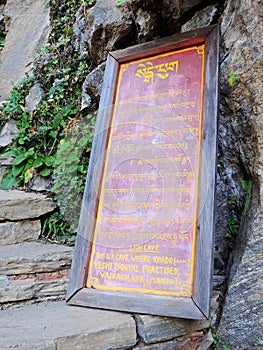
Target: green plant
pixel 61 71
pixel 71 168
pixel 219 343
pixel 121 2
pixel 232 79
pixel 257 341
pixel 56 229
pixel 233 228
pixel 2 39
pixel 247 187
pixel 14 105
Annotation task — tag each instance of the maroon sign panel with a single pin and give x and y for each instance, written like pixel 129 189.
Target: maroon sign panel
pixel 145 234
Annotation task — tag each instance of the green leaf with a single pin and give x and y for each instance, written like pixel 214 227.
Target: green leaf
pixel 232 79
pixel 27 176
pixel 38 162
pixel 53 134
pixel 45 172
pixel 83 142
pixel 18 169
pixel 31 151
pixel 10 153
pixel 72 168
pixel 8 181
pixel 20 159
pixel 50 160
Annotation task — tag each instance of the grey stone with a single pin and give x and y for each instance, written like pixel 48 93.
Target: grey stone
pixel 34 287
pixel 106 28
pixel 2 172
pixel 39 183
pixel 152 329
pixel 20 231
pixel 240 140
pixel 18 205
pixel 5 161
pixel 146 24
pixel 206 342
pixel 215 309
pixel 34 257
pixel 4 282
pixel 85 99
pixel 92 86
pixel 34 97
pixel 7 134
pixel 80 36
pixel 240 121
pixel 172 12
pixel 242 319
pixel 200 19
pixel 57 326
pixel 218 281
pixel 28 28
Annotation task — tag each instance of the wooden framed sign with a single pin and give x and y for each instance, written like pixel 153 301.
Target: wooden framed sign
pixel 145 237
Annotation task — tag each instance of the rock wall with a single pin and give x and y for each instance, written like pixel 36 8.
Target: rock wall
pixel 241 119
pixel 238 242
pixel 27 25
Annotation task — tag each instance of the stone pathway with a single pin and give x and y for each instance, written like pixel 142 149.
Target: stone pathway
pixel 33 271
pixel 33 283
pixel 30 270
pixel 57 326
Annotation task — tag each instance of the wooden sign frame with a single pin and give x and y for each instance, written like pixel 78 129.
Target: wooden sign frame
pixel 197 305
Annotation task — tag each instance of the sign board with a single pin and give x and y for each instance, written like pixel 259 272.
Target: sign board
pixel 145 237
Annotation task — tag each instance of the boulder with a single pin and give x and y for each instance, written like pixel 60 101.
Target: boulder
pixel 28 27
pixel 107 28
pixel 146 25
pixel 7 134
pixel 92 86
pixel 201 19
pixel 34 97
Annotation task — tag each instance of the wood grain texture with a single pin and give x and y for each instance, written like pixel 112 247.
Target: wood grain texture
pixel 205 235
pixel 138 303
pixel 174 42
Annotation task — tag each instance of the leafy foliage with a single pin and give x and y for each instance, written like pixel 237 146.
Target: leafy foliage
pixel 71 168
pixel 61 71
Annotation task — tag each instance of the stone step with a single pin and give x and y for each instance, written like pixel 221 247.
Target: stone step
pixel 58 326
pixel 18 205
pixel 12 232
pixel 33 271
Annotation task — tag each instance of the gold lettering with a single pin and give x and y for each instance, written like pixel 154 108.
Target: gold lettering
pixel 164 270
pixel 146 71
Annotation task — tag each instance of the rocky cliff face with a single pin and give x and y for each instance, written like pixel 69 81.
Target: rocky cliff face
pixel 239 240
pixel 27 25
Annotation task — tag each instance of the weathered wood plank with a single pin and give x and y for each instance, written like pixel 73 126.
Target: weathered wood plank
pixel 205 236
pixel 174 42
pixel 139 303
